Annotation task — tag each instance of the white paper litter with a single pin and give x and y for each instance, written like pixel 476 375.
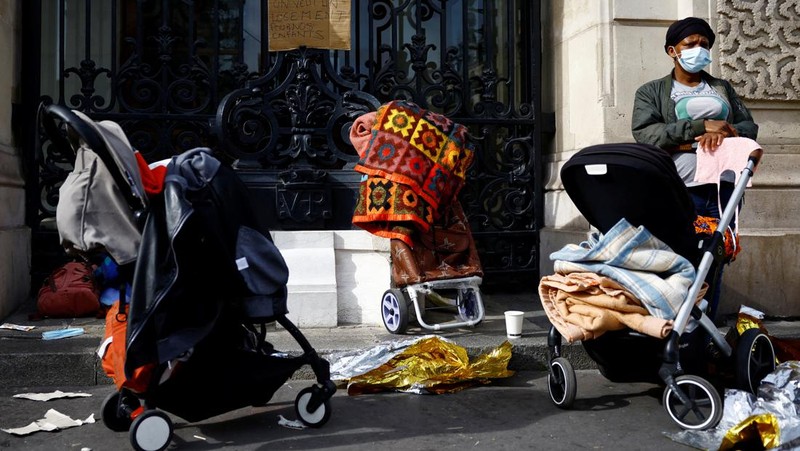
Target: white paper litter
pixel 757 314
pixel 291 424
pixel 10 326
pixel 58 394
pixel 53 420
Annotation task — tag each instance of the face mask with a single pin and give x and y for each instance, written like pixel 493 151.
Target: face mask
pixel 62 333
pixel 695 59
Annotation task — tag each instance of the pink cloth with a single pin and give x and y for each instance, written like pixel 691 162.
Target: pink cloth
pixel 731 155
pixel 361 132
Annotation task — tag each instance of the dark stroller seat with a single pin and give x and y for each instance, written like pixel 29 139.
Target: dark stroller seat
pixel 206 276
pixel 639 183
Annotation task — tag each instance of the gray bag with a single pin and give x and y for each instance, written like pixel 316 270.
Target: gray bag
pixel 92 213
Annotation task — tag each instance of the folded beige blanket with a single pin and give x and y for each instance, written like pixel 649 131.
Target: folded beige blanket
pixel 584 305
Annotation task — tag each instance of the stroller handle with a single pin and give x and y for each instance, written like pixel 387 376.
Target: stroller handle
pixel 48 115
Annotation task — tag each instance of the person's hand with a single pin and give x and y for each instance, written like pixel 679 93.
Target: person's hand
pixel 710 140
pixel 716 131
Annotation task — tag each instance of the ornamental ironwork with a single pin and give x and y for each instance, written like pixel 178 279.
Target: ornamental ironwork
pixel 177 75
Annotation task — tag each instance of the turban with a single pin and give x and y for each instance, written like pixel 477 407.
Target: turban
pixel 687 27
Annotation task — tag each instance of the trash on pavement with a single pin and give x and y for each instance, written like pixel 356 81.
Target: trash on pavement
pixel 10 326
pixel 770 419
pixel 429 364
pixel 53 421
pixel 290 424
pixel 58 394
pixel 62 333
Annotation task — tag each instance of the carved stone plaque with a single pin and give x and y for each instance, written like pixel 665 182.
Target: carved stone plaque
pixel 759 47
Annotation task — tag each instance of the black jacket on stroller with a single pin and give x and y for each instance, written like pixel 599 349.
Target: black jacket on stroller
pixel 204 252
pixel 205 268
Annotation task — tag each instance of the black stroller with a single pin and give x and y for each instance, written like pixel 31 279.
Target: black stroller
pixel 640 183
pixel 205 283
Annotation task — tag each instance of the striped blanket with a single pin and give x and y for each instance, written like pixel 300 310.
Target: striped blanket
pixel 638 261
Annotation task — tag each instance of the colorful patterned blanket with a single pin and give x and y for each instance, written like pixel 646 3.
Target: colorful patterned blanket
pixel 414 165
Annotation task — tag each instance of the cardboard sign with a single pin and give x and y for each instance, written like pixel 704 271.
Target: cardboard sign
pixel 321 24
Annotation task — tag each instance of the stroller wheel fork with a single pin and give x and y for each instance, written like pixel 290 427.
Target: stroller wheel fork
pixel 320 394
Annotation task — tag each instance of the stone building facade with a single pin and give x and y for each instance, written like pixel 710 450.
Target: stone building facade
pixel 14 235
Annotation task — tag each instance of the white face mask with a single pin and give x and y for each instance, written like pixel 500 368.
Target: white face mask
pixel 695 59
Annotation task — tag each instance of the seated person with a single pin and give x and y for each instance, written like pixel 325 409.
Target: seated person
pixel 688 107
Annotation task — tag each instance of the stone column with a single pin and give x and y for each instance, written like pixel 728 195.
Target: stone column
pixel 600 51
pixel 14 235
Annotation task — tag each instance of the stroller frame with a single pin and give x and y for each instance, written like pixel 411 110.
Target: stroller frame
pixel 126 410
pixel 686 396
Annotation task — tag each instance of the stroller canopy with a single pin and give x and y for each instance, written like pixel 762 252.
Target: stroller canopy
pixel 637 182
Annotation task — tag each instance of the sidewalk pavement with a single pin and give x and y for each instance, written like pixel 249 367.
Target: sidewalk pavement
pixel 27 360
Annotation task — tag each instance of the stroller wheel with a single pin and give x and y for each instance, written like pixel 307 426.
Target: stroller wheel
pixel 316 418
pixel 151 431
pixel 394 311
pixel 113 417
pixel 705 405
pixel 755 358
pixel 561 383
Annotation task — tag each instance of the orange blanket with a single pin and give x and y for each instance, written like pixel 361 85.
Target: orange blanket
pixel 585 305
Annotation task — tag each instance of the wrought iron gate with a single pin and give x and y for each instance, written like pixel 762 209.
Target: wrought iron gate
pixel 182 74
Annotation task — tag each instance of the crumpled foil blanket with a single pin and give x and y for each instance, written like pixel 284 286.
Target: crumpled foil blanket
pixel 423 365
pixel 772 418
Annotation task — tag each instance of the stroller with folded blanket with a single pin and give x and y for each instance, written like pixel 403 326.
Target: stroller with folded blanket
pixel 649 265
pixel 414 163
pixel 206 280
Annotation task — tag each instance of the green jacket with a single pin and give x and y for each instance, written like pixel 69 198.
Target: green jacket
pixel 654 120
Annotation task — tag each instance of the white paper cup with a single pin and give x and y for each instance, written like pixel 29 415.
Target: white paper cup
pixel 514 323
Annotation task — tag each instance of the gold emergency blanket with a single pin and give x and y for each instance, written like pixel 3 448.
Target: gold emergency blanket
pixel 756 430
pixel 430 364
